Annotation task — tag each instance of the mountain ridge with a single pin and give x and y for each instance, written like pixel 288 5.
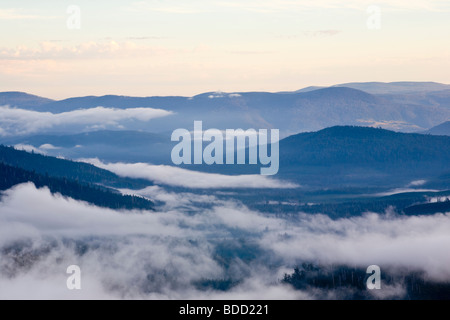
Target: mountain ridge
pixel 382 87
pixel 22 99
pixel 442 129
pixel 309 110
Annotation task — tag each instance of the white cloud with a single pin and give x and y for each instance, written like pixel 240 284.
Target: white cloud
pixel 29 148
pixel 175 200
pixel 57 215
pixel 220 94
pixel 160 255
pixel 243 218
pixel 217 94
pixel 407 243
pixel 126 254
pixel 439 199
pixel 19 121
pixel 48 146
pixel 390 124
pixel 173 176
pixel 417 183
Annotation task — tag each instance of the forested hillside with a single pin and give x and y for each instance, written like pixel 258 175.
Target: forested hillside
pixel 99 196
pixel 62 168
pixel 363 146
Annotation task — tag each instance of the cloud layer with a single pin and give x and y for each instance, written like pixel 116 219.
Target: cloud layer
pixel 85 50
pixel 14 121
pixel 173 176
pixel 133 254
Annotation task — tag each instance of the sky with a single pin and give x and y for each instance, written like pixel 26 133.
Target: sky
pixel 60 49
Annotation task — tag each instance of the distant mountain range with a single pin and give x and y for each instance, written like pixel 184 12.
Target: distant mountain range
pixel 388 88
pixel 396 87
pixel 326 153
pixel 400 106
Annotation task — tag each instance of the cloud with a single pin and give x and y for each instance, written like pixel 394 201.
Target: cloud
pixel 86 50
pixel 216 95
pixel 174 176
pixel 438 199
pixel 176 200
pixel 29 148
pixel 405 243
pixel 16 121
pixel 16 14
pixel 417 183
pixel 402 190
pixel 164 255
pixel 57 215
pixel 121 254
pixel 390 124
pixel 48 146
pixel 220 94
pixel 43 149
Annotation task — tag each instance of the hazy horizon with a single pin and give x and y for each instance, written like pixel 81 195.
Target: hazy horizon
pixel 209 91
pixel 154 48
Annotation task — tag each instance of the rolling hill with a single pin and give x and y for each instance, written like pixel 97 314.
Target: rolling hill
pixel 363 156
pixel 363 145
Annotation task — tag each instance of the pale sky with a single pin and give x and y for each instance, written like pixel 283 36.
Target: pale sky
pixel 186 47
